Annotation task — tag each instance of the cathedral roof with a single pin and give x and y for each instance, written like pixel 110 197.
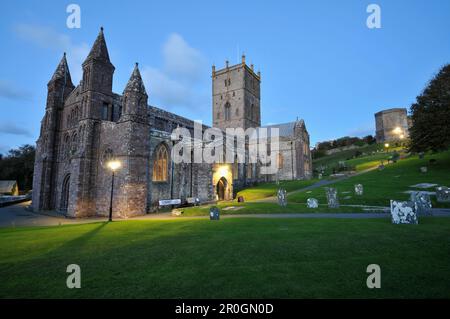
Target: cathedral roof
pixel 62 71
pixel 99 50
pixel 285 129
pixel 135 83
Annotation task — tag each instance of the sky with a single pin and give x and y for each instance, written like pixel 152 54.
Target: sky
pixel 318 59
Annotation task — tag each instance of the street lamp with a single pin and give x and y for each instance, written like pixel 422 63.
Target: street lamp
pixel 113 165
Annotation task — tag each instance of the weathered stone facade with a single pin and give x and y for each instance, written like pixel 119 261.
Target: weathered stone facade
pixel 392 125
pixel 85 126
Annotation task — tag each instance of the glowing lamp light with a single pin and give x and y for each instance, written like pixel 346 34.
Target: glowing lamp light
pixel 398 130
pixel 223 171
pixel 386 145
pixel 114 165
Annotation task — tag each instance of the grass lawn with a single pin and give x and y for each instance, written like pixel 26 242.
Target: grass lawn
pixel 390 183
pixel 358 163
pixel 270 189
pixel 232 258
pixel 265 208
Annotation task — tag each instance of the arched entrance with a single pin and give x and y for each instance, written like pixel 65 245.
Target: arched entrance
pixel 221 188
pixel 65 193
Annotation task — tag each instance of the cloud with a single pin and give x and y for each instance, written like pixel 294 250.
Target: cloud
pixel 182 79
pixel 48 38
pixel 12 92
pixel 181 60
pixel 12 129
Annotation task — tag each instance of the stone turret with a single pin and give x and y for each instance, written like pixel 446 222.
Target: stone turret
pixel 58 89
pixel 97 68
pixel 135 98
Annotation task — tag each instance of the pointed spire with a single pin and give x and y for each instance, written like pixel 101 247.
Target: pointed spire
pixel 62 72
pixel 135 83
pixel 99 50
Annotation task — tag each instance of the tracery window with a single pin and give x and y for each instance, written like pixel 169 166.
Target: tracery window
pixel 160 164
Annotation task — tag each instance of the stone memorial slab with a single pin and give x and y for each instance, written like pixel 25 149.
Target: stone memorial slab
pixel 359 189
pixel 403 212
pixel 423 169
pixel 320 176
pixel 282 197
pixel 332 197
pixel 443 194
pixel 214 213
pixel 423 185
pixel 422 203
pixel 240 199
pixel 312 203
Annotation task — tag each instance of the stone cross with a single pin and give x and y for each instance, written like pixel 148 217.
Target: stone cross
pixel 282 198
pixel 332 197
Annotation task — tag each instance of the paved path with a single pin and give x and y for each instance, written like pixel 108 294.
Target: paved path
pixel 19 215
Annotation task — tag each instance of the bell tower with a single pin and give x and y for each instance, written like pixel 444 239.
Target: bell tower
pixel 236 96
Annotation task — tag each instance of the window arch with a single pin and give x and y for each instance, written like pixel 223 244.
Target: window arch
pixel 280 161
pixel 160 164
pixel 227 111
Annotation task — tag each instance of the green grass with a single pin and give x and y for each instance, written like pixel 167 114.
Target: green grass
pixel 265 190
pixel 390 183
pixel 264 208
pixel 232 258
pixel 358 163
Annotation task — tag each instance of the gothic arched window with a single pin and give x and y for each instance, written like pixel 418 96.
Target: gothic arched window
pixel 160 164
pixel 280 160
pixel 227 111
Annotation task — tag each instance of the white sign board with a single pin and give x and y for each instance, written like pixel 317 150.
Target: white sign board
pixel 166 202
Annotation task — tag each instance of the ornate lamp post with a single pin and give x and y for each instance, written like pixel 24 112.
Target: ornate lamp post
pixel 113 165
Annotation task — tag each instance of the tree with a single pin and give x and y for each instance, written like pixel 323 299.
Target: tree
pixel 430 115
pixel 18 165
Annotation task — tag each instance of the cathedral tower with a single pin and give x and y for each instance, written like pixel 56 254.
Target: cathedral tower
pixel 58 89
pixel 236 96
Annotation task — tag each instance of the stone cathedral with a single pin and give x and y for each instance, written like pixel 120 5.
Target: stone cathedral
pixel 86 125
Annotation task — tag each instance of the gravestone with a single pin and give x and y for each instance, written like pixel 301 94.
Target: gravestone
pixel 320 175
pixel 421 155
pixel 381 167
pixel 312 203
pixel 359 190
pixel 282 198
pixel 214 213
pixel 443 194
pixel 332 197
pixel 403 212
pixel 240 199
pixel 423 169
pixel 422 203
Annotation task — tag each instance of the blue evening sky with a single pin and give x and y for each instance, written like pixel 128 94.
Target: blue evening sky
pixel 318 59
